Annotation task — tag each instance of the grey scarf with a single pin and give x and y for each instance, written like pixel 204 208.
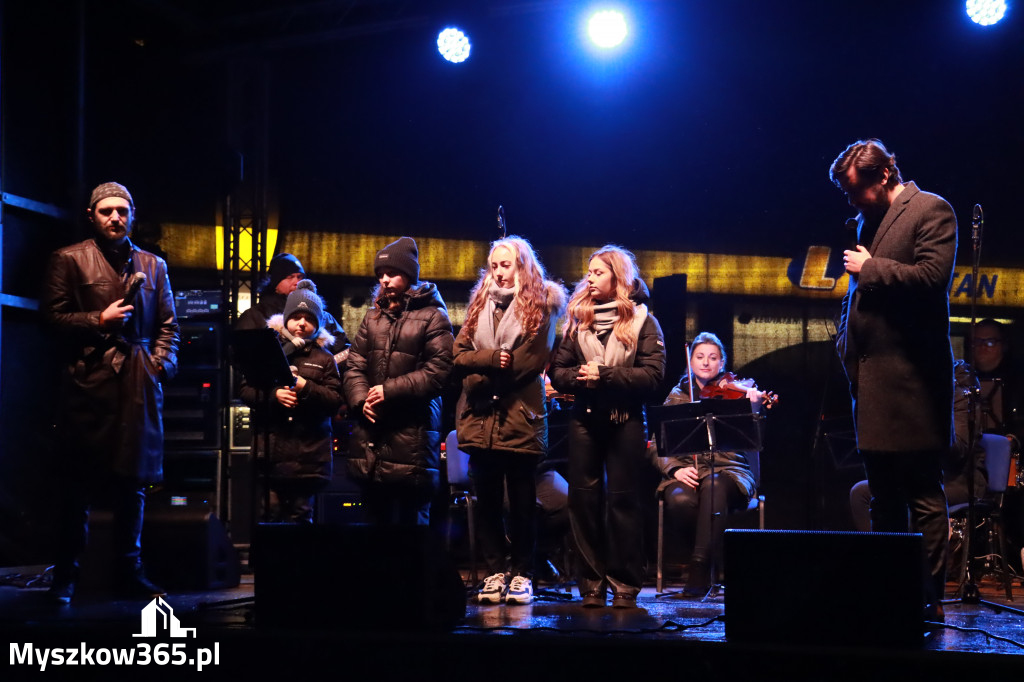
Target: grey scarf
pixel 509 329
pixel 611 353
pixel 292 343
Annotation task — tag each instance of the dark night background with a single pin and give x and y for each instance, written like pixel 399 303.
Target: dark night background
pixel 712 131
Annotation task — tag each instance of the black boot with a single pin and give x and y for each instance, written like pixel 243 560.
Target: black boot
pixel 593 592
pixel 699 580
pixel 133 584
pixel 62 589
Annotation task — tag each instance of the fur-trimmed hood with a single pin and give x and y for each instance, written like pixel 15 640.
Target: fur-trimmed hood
pixel 558 298
pixel 324 338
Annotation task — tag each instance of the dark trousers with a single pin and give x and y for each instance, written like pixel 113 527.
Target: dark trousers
pixel 704 512
pixel 388 505
pixel 605 465
pixel 860 501
pixel 492 472
pixel 903 482
pixel 126 499
pixel 291 499
pixel 553 518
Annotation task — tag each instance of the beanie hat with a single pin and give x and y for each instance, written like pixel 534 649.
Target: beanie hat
pixel 282 265
pixel 110 189
pixel 305 300
pixel 402 255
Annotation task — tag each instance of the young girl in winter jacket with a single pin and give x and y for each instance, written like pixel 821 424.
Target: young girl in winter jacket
pixel 501 418
pixel 612 359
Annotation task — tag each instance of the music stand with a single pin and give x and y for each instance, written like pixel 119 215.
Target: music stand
pixel 259 356
pixel 704 428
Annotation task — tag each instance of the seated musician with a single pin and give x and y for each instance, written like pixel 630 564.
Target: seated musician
pixel 690 504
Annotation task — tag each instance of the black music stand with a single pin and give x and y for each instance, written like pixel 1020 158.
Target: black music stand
pixel 704 428
pixel 259 356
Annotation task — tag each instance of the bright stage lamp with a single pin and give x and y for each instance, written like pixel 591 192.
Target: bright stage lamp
pixel 607 28
pixel 453 45
pixel 986 12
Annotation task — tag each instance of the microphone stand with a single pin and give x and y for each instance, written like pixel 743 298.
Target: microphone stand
pixel 967 592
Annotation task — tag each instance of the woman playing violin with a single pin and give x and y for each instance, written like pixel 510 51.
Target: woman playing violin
pixel 690 507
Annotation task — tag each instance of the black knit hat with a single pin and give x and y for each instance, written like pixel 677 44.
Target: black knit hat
pixel 282 265
pixel 402 255
pixel 305 300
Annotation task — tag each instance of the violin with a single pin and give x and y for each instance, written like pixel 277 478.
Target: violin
pixel 731 387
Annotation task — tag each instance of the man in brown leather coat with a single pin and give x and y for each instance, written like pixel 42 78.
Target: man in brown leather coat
pixel 116 354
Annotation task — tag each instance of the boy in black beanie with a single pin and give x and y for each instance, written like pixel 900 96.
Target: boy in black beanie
pixel 301 453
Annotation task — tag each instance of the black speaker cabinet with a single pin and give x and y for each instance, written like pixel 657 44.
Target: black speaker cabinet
pixel 183 549
pixel 189 550
pixel 668 302
pixel 354 578
pixel 832 588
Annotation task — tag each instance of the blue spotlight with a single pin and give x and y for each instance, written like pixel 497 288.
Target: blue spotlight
pixel 453 45
pixel 986 12
pixel 607 28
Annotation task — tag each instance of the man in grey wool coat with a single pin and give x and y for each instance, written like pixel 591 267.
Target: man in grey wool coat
pixel 894 343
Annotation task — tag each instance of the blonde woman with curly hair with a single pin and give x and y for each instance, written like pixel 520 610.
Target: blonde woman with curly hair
pixel 612 359
pixel 501 419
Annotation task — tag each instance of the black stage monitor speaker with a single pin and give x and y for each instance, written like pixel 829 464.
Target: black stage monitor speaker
pixel 831 588
pixel 354 577
pixel 668 301
pixel 189 549
pixel 182 549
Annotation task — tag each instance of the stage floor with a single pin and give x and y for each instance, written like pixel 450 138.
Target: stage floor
pixel 664 634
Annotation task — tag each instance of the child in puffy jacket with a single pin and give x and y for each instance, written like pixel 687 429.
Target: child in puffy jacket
pixel 299 419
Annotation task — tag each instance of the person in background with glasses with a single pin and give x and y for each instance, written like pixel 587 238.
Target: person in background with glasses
pixel 1000 391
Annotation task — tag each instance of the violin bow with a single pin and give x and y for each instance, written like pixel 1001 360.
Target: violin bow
pixel 689 372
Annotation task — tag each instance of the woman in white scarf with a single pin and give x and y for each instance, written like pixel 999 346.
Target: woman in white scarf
pixel 612 358
pixel 501 419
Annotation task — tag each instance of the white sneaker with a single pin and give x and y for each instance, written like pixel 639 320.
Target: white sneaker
pixel 520 591
pixel 493 591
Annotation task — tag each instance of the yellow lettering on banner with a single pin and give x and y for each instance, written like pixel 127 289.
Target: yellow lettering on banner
pixel 815 266
pixel 459 260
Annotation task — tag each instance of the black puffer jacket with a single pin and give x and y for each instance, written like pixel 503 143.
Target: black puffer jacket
pixel 621 389
pixel 301 437
pixel 410 354
pixel 517 420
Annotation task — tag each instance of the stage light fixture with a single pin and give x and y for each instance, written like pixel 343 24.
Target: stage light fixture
pixel 453 45
pixel 986 12
pixel 607 28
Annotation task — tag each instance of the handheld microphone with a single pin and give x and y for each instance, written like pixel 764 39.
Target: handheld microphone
pixel 295 373
pixel 132 291
pixel 507 347
pixel 977 223
pixel 851 232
